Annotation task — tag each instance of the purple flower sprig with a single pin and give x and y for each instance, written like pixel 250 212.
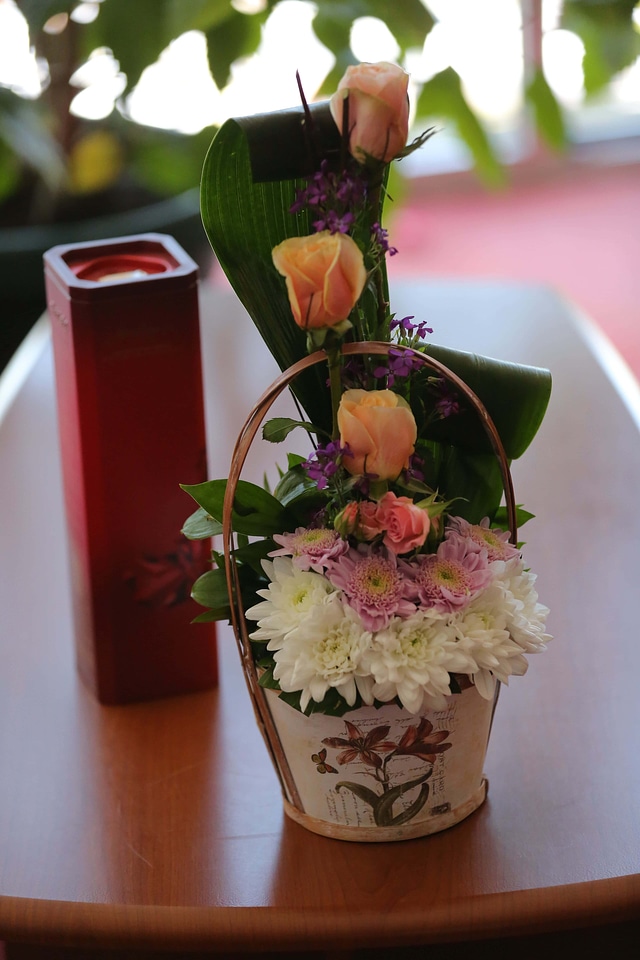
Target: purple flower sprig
pixel 400 365
pixel 409 334
pixel 380 242
pixel 325 462
pixel 447 403
pixel 414 469
pixel 334 199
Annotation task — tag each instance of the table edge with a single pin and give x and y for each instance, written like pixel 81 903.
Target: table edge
pixel 613 364
pixel 518 913
pixel 16 372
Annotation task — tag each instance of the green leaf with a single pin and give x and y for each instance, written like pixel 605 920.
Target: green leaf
pixel 294 460
pixel 210 590
pixel 209 616
pixel 255 513
pixel 277 429
pixel 442 97
pixel 37 12
pixel 238 35
pixel 201 525
pixel 294 484
pixel 607 30
pixel 137 33
pixel 253 553
pixel 547 111
pixel 500 517
pixel 25 130
pixel 300 495
pixel 266 679
pixel 409 22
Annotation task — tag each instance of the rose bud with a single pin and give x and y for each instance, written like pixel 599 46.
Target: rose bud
pixel 378 110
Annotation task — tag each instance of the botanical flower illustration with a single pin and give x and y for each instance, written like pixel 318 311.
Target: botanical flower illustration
pixel 421 741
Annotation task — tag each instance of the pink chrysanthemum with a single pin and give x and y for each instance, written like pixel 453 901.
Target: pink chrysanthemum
pixel 312 548
pixel 448 580
pixel 372 585
pixel 483 537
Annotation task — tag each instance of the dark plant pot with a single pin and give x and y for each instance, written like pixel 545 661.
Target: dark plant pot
pixel 22 296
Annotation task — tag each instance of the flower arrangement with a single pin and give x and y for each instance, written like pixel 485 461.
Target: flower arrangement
pixel 383 567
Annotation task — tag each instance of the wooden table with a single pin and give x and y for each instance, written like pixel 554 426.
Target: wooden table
pixel 160 825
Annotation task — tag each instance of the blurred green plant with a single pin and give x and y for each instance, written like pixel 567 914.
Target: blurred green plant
pixel 48 155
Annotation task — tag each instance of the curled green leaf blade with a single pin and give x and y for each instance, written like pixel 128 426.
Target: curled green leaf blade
pixel 516 397
pixel 249 181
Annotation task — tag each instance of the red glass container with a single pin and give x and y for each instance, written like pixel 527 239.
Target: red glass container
pixel 126 339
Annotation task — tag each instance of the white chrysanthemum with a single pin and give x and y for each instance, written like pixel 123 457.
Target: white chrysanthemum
pixel 526 616
pixel 325 651
pixel 290 599
pixel 483 633
pixel 411 659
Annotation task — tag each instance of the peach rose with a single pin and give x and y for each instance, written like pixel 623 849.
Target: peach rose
pixel 380 429
pixel 406 525
pixel 368 525
pixel 378 110
pixel 325 276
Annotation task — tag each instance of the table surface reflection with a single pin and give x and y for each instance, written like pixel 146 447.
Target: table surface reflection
pixel 161 823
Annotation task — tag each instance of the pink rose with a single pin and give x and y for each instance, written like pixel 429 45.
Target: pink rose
pixel 325 275
pixel 406 526
pixel 378 110
pixel 380 429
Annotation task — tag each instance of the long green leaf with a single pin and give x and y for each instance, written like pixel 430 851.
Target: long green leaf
pixel 244 219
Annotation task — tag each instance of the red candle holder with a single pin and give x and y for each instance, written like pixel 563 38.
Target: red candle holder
pixel 126 339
